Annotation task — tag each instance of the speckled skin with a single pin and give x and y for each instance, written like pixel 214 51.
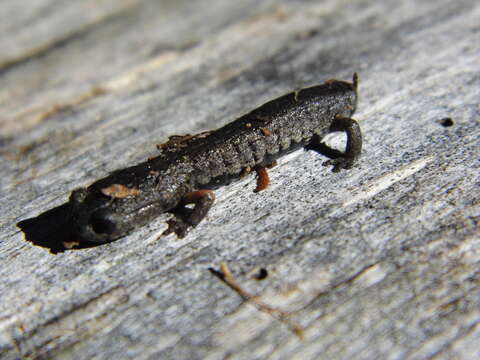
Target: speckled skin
pixel 208 160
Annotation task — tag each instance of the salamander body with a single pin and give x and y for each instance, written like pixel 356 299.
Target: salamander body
pixel 189 167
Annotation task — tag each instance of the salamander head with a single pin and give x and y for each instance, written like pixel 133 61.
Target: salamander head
pixel 96 218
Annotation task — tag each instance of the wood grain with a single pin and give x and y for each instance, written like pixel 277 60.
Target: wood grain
pixel 381 261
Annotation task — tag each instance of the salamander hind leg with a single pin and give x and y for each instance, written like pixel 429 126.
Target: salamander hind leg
pixel 185 218
pixel 340 160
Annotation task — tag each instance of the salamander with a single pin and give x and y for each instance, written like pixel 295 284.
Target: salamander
pixel 190 167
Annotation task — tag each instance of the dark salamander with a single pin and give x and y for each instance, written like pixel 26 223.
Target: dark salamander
pixel 190 166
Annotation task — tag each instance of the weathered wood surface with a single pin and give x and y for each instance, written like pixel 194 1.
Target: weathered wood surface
pixel 382 261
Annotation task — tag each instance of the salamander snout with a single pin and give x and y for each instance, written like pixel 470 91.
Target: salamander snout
pixel 92 219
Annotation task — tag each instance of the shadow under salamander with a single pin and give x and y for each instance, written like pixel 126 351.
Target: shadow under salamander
pixel 51 230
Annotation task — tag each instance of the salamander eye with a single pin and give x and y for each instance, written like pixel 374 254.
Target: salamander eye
pixel 102 223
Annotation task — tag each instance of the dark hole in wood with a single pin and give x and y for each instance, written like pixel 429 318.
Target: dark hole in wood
pixel 261 274
pixel 446 122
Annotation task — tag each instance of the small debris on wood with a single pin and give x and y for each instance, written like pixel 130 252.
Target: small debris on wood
pixel 262 180
pixel 226 276
pixel 119 191
pixel 446 122
pixel 265 131
pixel 70 244
pixel 176 142
pixel 245 171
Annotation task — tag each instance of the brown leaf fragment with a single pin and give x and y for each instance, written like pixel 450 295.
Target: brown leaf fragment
pixel 265 131
pixel 262 180
pixel 120 191
pixel 245 171
pixel 176 142
pixel 70 244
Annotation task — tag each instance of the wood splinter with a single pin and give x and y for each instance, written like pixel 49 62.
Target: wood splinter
pixel 226 276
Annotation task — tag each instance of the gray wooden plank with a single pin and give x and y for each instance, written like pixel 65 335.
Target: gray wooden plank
pixel 104 54
pixel 378 262
pixel 30 28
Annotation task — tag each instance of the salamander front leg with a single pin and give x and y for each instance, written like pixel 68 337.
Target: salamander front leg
pixel 184 218
pixel 341 160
